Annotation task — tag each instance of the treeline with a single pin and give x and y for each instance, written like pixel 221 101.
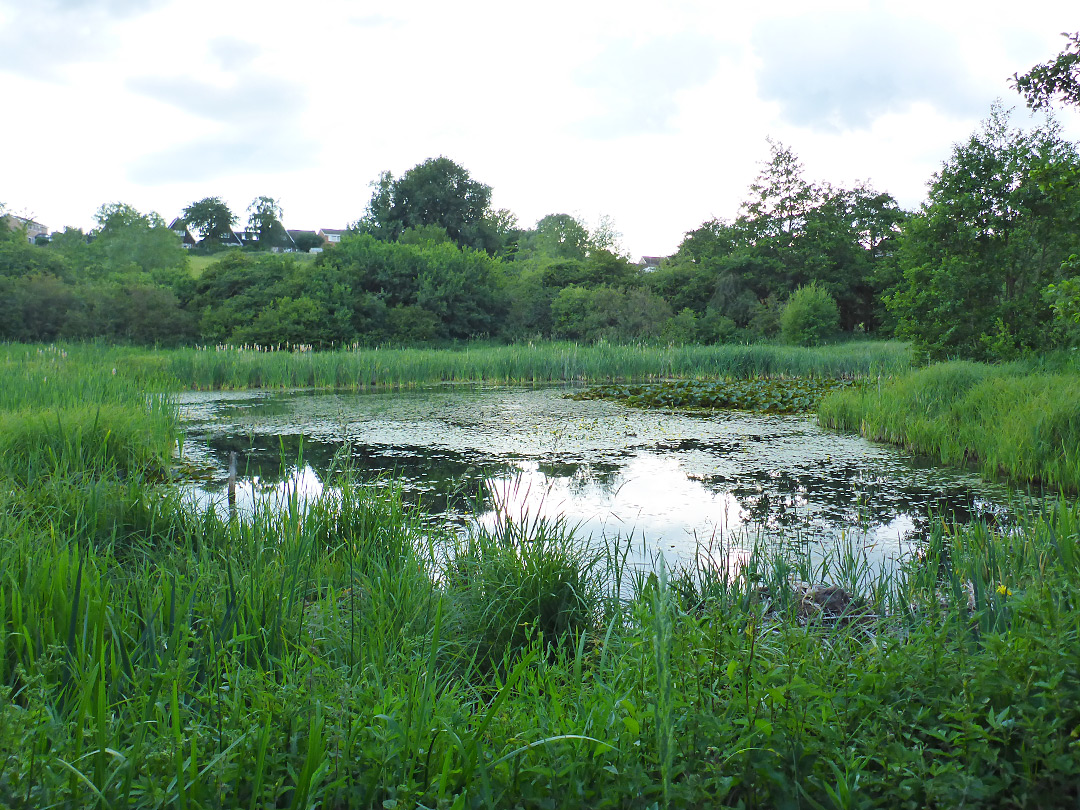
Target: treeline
pixel 431 261
pixel 987 268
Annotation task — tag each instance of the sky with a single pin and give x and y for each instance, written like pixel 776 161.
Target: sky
pixel 653 114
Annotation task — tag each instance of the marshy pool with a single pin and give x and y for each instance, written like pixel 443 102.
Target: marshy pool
pixel 685 485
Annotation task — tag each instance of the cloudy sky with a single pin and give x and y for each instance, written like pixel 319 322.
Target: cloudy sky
pixel 655 114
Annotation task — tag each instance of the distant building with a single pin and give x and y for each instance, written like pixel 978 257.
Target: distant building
pixel 180 228
pixel 650 263
pixel 331 236
pixel 33 229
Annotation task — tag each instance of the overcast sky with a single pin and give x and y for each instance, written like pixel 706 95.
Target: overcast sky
pixel 655 114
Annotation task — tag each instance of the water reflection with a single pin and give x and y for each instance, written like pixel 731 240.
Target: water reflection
pixel 677 483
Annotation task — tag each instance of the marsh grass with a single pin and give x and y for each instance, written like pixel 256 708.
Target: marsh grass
pixel 327 653
pixel 1004 420
pixel 543 362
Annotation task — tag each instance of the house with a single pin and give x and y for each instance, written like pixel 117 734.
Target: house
pixel 249 238
pixel 650 263
pixel 331 236
pixel 232 240
pixel 180 228
pixel 33 229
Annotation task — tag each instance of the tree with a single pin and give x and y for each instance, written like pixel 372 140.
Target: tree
pixel 789 233
pixel 435 192
pixel 563 236
pixel 307 240
pixel 1059 77
pixel 126 239
pixel 211 218
pixel 781 197
pixel 1000 220
pixel 113 217
pixel 810 316
pixel 264 218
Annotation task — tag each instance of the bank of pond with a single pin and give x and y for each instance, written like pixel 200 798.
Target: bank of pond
pixel 341 649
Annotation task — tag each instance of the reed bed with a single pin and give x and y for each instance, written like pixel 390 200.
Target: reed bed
pixel 545 362
pixel 1008 420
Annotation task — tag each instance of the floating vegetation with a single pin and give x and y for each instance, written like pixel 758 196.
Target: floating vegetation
pixel 795 395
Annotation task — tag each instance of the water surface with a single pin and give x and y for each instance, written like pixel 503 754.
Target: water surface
pixel 676 483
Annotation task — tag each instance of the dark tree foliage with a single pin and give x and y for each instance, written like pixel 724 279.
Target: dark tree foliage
pixel 1058 78
pixel 436 192
pixel 126 240
pixel 211 217
pixel 790 233
pixel 306 241
pixel 264 219
pixel 1001 219
pixel 364 290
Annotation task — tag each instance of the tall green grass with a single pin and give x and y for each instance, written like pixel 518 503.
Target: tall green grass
pixel 71 413
pixel 320 656
pixel 215 368
pixel 1003 420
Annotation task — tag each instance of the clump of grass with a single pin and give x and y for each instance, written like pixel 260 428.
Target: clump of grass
pixel 523 581
pixel 1003 420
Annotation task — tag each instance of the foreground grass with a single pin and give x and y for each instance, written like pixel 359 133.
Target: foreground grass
pixel 335 656
pixel 340 655
pixel 1015 421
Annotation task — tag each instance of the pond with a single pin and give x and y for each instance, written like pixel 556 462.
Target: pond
pixel 686 485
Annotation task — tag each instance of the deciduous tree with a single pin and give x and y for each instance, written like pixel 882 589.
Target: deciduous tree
pixel 264 218
pixel 435 192
pixel 211 217
pixel 1000 219
pixel 1058 78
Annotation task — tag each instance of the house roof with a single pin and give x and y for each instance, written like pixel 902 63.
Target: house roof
pixel 15 221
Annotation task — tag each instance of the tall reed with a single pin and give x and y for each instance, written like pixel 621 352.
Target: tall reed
pixel 1004 420
pixel 228 367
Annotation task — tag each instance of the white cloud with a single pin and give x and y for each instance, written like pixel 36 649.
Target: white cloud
pixel 653 113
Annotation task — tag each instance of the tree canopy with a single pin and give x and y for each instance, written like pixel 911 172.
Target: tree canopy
pixel 436 192
pixel 1059 77
pixel 211 217
pixel 975 261
pixel 264 218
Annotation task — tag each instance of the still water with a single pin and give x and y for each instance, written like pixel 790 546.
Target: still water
pixel 674 483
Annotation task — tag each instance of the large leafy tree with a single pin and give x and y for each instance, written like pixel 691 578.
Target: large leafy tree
pixel 1060 77
pixel 436 192
pixel 264 218
pixel 211 217
pixel 1000 219
pixel 789 233
pixel 126 240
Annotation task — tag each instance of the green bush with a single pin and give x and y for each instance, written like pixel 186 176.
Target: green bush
pixel 810 316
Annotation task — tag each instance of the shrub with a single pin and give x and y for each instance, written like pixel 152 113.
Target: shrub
pixel 810 316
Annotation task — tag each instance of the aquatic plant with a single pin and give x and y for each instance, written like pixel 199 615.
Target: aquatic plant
pixel 764 395
pixel 357 368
